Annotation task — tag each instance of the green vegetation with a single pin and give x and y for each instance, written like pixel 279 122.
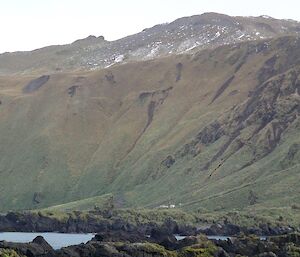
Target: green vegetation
pixel 142 216
pixel 200 250
pixel 9 253
pixel 252 217
pixel 97 202
pixel 248 217
pixel 105 147
pixel 155 250
pixel 293 251
pixel 203 249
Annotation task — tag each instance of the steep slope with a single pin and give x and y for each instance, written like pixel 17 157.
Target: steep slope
pixel 216 129
pixel 182 35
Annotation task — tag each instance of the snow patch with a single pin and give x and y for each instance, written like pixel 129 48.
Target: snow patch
pixel 119 58
pixel 266 17
pixel 153 52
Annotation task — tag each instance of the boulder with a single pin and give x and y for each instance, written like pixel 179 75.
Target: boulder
pixel 37 247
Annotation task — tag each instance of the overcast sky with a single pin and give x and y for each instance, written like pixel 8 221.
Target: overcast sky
pixel 30 24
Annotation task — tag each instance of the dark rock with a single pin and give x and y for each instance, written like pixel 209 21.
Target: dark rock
pixel 43 243
pixel 110 78
pixel 72 90
pixel 219 229
pixel 37 247
pixel 189 240
pixel 168 162
pixel 179 67
pixel 37 197
pixel 163 237
pixel 222 88
pixel 286 245
pixel 120 236
pixel 267 254
pixel 35 84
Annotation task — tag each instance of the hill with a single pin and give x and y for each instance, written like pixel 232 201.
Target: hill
pixel 215 128
pixel 183 35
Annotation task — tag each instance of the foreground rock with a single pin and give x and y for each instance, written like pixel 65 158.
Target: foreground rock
pixel 283 246
pixel 38 247
pixel 189 247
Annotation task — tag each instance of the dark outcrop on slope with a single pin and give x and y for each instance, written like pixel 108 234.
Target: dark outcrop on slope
pixel 270 109
pixel 35 84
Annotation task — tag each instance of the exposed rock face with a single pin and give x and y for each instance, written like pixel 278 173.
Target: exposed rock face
pixel 38 247
pixel 35 222
pixel 270 109
pixel 39 240
pixel 168 162
pixel 182 35
pixel 115 229
pixel 35 84
pixel 120 236
pixel 234 230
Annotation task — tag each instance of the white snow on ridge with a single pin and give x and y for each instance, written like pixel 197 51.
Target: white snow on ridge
pixel 218 34
pixel 119 58
pixel 153 52
pixel 266 17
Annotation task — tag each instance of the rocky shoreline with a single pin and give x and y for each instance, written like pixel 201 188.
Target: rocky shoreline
pixel 119 237
pixel 159 244
pixel 91 223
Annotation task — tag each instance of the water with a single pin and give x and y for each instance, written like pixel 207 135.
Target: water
pixel 178 237
pixel 223 238
pixel 59 240
pixel 56 240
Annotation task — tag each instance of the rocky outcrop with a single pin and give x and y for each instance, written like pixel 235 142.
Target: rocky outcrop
pixel 114 228
pixel 287 245
pixel 38 247
pixel 282 246
pixel 228 229
pixel 28 222
pixel 120 236
pixel 138 248
pixel 92 222
pixel 269 111
pixel 35 84
pixel 168 162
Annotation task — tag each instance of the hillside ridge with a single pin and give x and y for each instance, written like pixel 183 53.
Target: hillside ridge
pixel 183 35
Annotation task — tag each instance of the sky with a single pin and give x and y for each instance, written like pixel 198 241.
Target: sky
pixel 31 24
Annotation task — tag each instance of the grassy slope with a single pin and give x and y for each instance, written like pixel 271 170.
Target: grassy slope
pixel 82 205
pixel 57 148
